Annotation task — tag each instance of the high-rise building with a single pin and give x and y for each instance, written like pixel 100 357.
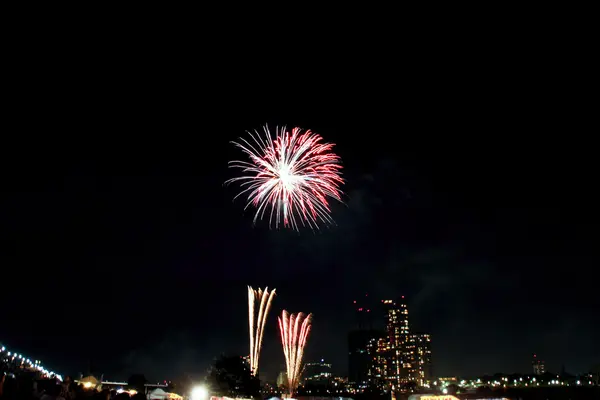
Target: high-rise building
pixel 539 367
pixel 391 358
pixel 359 358
pixel 396 322
pixel 400 356
pixel 421 343
pixel 377 349
pixel 409 355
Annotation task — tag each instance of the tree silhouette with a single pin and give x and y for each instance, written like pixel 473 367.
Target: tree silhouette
pixel 230 376
pixel 137 382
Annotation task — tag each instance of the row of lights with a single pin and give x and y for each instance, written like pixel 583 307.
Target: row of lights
pixel 505 382
pixel 36 364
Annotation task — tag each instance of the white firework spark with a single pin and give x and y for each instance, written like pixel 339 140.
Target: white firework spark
pixel 257 322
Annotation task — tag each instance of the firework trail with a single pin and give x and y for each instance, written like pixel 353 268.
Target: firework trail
pixel 257 322
pixel 294 330
pixel 293 174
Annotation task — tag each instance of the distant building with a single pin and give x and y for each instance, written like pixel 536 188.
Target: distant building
pixel 317 373
pixel 421 343
pixel 377 349
pixel 282 380
pixel 539 367
pixel 359 360
pixel 389 358
pixel 246 360
pixel 448 379
pixel 401 354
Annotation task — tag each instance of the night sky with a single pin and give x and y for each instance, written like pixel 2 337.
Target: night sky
pixel 470 190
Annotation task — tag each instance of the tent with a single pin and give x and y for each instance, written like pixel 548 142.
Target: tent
pixel 159 394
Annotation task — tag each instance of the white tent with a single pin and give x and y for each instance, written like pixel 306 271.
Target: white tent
pixel 158 394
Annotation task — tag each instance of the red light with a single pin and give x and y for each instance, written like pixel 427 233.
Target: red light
pixel 368 310
pixel 366 294
pixel 402 296
pixel 354 301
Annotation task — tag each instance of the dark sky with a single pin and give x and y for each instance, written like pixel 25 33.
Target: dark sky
pixel 471 190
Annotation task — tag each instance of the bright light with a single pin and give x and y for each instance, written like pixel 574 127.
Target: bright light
pixel 445 391
pixel 87 385
pixel 199 393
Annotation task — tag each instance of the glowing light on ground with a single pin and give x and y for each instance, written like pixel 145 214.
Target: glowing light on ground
pixel 199 393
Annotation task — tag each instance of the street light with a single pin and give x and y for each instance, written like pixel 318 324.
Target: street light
pixel 199 393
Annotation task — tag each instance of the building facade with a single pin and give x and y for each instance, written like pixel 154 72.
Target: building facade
pixel 539 367
pixel 360 342
pixel 390 358
pixel 377 349
pixel 422 357
pixel 282 380
pixel 409 355
pixel 360 356
pixel 317 373
pixel 401 353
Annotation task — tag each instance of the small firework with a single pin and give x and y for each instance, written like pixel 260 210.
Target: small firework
pixel 293 175
pixel 257 322
pixel 294 330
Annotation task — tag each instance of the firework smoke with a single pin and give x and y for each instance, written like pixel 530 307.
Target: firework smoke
pixel 257 322
pixel 294 330
pixel 293 174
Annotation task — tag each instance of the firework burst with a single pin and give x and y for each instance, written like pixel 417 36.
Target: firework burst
pixel 294 330
pixel 292 174
pixel 257 322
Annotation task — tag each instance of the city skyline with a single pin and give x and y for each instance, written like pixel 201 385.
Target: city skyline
pixel 457 195
pixel 388 357
pixel 365 318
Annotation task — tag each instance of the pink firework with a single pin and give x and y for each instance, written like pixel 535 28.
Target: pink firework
pixel 294 329
pixel 292 174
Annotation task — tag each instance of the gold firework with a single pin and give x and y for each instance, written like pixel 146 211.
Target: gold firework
pixel 257 322
pixel 294 330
